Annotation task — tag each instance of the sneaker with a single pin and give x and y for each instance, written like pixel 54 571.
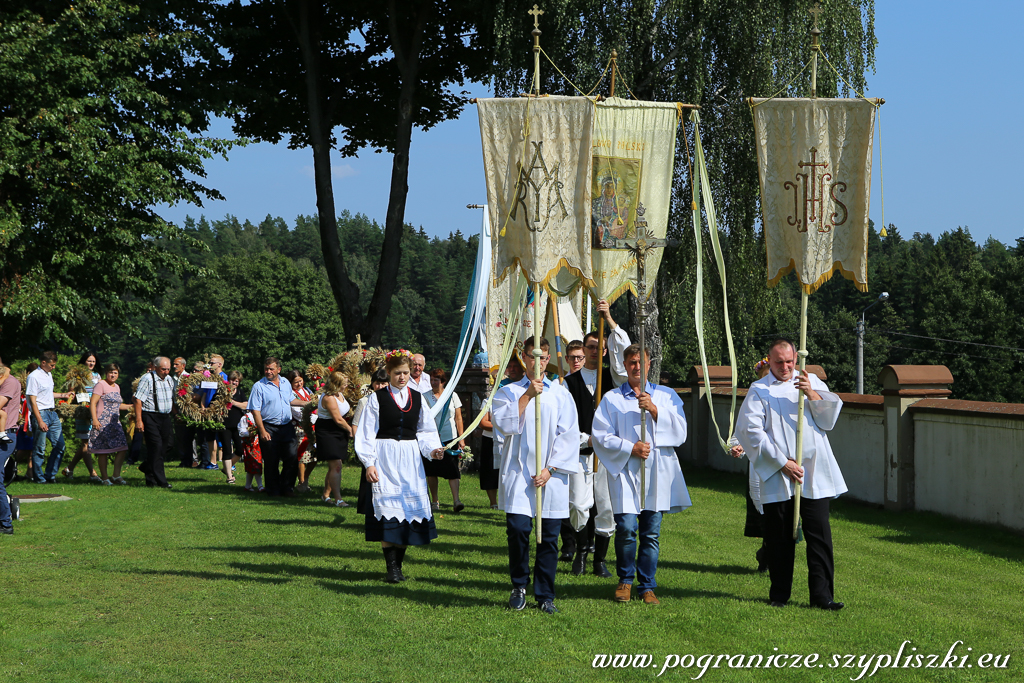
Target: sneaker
pixel 547 607
pixel 4 438
pixel 248 488
pixel 15 508
pixel 517 600
pixel 210 466
pixel 6 530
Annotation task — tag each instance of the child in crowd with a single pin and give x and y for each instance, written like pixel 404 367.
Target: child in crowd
pixel 251 457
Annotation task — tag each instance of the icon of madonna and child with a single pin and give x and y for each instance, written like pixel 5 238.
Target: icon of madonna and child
pixel 616 184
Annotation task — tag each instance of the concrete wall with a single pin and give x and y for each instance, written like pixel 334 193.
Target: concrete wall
pixel 857 441
pixel 970 466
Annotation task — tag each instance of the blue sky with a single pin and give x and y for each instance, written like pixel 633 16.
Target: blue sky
pixel 952 139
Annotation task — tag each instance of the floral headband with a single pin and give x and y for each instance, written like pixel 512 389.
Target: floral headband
pixel 761 364
pixel 397 353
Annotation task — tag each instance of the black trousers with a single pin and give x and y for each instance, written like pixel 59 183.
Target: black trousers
pixel 520 538
pixel 778 539
pixel 280 452
pixel 157 432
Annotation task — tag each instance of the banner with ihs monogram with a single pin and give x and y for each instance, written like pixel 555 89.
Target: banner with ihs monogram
pixel 537 169
pixel 814 162
pixel 634 156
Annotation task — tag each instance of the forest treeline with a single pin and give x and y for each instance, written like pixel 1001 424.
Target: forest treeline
pixel 262 289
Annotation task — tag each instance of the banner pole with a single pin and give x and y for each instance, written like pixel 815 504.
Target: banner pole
pixel 537 374
pixel 800 408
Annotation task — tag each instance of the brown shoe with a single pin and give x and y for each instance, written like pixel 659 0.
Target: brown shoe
pixel 649 598
pixel 622 592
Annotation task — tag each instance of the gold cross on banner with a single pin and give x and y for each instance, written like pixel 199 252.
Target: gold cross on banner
pixel 536 12
pixel 358 346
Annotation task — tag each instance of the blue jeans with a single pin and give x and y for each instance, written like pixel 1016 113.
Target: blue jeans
pixel 520 538
pixel 52 421
pixel 6 451
pixel 628 562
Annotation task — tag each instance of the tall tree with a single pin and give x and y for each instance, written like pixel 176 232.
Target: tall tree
pixel 99 123
pixel 373 71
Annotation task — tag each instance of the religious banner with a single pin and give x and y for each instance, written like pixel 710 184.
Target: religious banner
pixel 814 162
pixel 631 186
pixel 537 168
pixel 501 309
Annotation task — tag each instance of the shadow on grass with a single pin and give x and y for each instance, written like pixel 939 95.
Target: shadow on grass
pixel 707 568
pixel 208 576
pixel 908 528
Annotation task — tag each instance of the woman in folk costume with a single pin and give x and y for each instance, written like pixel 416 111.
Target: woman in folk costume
pixel 395 434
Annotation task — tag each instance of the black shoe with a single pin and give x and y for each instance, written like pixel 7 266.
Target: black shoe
pixel 600 552
pixel 547 607
pixel 391 562
pixel 8 531
pixel 579 564
pixel 400 557
pixel 517 600
pixel 762 559
pixel 165 486
pixel 15 509
pixel 831 605
pixel 776 603
pixel 566 555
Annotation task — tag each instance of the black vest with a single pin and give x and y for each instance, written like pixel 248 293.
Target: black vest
pixel 395 423
pixel 584 400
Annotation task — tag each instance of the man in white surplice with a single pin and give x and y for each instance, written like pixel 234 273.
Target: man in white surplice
pixel 616 438
pixel 512 414
pixel 766 428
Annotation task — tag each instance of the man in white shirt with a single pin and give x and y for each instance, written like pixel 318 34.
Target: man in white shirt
pixel 590 512
pixel 617 443
pixel 45 420
pixel 513 416
pixel 419 380
pixel 766 428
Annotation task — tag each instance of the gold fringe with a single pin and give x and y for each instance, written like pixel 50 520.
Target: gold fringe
pixel 562 263
pixel 825 277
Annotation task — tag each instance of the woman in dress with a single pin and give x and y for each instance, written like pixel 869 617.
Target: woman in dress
pixel 332 434
pixel 378 381
pixel 307 458
pixel 448 466
pixel 82 427
pixel 232 440
pixel 107 435
pixel 395 435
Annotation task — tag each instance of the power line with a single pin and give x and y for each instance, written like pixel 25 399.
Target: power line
pixel 953 353
pixel 951 341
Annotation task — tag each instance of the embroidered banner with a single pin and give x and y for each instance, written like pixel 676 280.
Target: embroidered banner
pixel 814 163
pixel 537 167
pixel 631 184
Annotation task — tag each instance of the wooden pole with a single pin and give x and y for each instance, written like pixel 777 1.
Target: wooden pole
pixel 558 335
pixel 615 58
pixel 537 374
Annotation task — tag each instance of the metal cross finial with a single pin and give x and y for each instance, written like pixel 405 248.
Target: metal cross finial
pixel 359 343
pixel 536 12
pixel 816 10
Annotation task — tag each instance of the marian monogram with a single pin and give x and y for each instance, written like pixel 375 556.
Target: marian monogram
pixel 541 187
pixel 820 208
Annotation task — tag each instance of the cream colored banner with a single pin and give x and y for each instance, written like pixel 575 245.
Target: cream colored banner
pixel 537 168
pixel 500 305
pixel 631 184
pixel 814 161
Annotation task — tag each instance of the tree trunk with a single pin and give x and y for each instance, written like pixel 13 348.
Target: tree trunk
pixel 652 336
pixel 346 293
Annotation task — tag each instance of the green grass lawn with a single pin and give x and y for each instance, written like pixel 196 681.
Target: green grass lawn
pixel 208 583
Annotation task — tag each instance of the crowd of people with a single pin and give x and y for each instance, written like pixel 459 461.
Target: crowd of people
pixel 602 466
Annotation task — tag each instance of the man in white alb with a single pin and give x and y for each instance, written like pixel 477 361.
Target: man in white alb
pixel 766 428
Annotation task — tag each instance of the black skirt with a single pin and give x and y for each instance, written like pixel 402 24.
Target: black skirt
pixel 391 530
pixel 331 440
pixel 445 468
pixel 488 470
